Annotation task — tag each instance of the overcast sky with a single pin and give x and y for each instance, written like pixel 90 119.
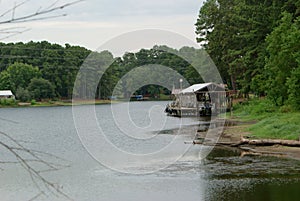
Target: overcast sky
pixel 93 22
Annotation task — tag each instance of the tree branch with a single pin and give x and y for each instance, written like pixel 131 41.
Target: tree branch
pixel 27 162
pixel 14 31
pixel 40 14
pixel 13 8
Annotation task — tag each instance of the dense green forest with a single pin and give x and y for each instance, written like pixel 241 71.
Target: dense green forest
pixel 53 65
pixel 40 70
pixel 256 46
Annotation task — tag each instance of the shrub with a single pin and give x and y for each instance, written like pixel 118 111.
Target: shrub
pixel 33 102
pixel 286 109
pixel 255 108
pixel 41 89
pixel 23 94
pixel 8 102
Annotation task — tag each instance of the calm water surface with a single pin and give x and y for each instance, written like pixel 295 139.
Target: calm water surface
pixel 224 175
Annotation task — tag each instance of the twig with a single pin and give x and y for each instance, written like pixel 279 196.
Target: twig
pixel 37 196
pixel 9 162
pixel 14 34
pixel 31 16
pixel 13 12
pixel 38 19
pixel 53 4
pixel 39 14
pixel 15 7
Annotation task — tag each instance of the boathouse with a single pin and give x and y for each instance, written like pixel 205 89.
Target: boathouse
pixel 199 100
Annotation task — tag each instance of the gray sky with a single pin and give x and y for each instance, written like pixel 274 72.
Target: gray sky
pixel 93 22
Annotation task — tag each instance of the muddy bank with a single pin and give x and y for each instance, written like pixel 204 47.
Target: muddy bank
pixel 234 135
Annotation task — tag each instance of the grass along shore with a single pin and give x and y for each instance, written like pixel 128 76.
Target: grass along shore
pixel 259 120
pixel 271 122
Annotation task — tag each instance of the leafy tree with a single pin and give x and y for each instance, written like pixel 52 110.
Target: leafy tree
pixel 293 7
pixel 23 94
pixel 18 75
pixel 233 32
pixel 283 48
pixel 294 88
pixel 5 80
pixel 41 89
pixel 74 56
pixel 57 64
pixel 215 28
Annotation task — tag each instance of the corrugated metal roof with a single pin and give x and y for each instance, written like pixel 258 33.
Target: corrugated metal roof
pixel 6 93
pixel 197 87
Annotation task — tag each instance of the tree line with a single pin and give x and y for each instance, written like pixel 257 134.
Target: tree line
pixel 41 70
pixel 34 65
pixel 255 45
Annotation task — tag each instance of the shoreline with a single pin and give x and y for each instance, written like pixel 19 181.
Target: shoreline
pixel 234 131
pixel 58 103
pixel 67 103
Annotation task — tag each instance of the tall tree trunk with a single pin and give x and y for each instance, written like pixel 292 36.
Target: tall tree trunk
pixel 233 83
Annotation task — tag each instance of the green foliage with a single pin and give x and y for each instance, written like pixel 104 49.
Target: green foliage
pixel 23 94
pixel 283 48
pixel 18 75
pixel 278 126
pixel 8 102
pixel 5 80
pixel 286 109
pixel 41 89
pixel 255 109
pixel 56 63
pixel 273 122
pixel 33 102
pixel 293 84
pixel 255 45
pixel 60 65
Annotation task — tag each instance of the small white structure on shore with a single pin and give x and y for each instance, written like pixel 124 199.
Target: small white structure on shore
pixel 4 94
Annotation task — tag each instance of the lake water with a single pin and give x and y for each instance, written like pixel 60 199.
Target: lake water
pixel 223 175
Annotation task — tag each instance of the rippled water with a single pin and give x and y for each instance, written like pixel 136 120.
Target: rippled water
pixel 224 175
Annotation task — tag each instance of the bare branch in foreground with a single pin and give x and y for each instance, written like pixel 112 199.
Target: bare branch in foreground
pixel 31 16
pixel 41 13
pixel 10 32
pixel 34 164
pixel 13 8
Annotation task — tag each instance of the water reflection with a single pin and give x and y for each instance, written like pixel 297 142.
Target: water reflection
pixel 227 163
pixel 234 178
